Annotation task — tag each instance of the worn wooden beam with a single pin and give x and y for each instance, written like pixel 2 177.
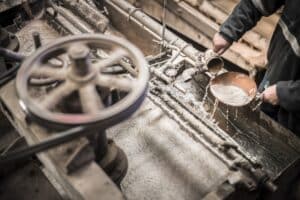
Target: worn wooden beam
pixel 239 53
pixel 265 27
pixel 252 38
pixel 89 182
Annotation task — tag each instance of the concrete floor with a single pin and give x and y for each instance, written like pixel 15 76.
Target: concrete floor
pixel 164 163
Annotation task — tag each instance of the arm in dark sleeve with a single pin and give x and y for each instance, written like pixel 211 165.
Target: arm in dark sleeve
pixel 288 93
pixel 245 16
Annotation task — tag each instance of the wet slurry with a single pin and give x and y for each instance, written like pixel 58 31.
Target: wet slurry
pixel 230 94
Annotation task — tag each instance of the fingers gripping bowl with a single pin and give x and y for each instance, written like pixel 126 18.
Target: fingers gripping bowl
pixel 233 89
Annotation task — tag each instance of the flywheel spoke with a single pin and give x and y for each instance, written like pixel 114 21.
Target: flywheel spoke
pixel 115 82
pixel 90 99
pixel 57 94
pixel 49 72
pixel 114 58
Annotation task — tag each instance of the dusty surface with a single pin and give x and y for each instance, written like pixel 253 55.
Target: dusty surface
pixel 164 163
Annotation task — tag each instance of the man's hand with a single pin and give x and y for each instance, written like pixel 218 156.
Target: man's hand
pixel 220 44
pixel 270 95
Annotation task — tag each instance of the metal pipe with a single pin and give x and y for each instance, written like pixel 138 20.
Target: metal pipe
pixel 92 16
pixel 59 23
pixel 71 18
pixel 101 147
pixel 155 27
pixel 37 40
pixel 57 139
pixel 92 3
pixel 214 63
pixel 11 55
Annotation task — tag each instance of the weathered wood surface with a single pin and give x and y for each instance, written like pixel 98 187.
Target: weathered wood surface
pixel 265 27
pixel 211 14
pixel 89 182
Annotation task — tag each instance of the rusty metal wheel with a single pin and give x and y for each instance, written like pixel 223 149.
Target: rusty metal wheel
pixel 83 88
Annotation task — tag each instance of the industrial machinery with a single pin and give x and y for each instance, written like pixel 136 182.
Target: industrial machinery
pixel 99 100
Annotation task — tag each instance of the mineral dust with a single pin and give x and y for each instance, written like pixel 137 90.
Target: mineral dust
pixel 230 94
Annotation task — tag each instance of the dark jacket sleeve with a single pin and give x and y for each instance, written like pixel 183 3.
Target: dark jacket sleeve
pixel 245 16
pixel 289 95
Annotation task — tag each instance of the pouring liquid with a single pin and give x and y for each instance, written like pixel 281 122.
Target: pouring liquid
pixel 230 94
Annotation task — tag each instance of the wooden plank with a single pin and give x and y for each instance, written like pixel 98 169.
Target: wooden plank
pixel 207 26
pixel 273 19
pixel 132 30
pixel 250 37
pixel 194 2
pixel 265 27
pixel 97 186
pixel 154 9
pixel 6 5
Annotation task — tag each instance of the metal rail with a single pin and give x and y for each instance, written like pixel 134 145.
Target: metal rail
pixel 155 27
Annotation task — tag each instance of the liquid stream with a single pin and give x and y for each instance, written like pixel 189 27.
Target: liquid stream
pixel 230 94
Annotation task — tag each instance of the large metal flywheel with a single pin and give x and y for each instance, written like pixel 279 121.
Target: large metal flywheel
pixel 82 92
